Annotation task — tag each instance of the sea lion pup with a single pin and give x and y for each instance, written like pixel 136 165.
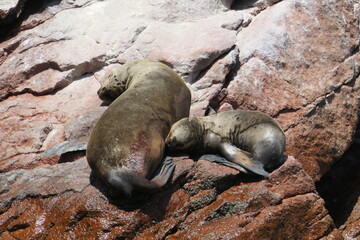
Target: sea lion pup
pixel 249 141
pixel 126 145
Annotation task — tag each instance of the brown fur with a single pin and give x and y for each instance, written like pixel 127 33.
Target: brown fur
pixel 249 140
pixel 128 140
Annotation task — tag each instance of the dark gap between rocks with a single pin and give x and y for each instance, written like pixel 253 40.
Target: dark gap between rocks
pixel 71 156
pixel 340 187
pixel 216 101
pixel 243 4
pixel 12 28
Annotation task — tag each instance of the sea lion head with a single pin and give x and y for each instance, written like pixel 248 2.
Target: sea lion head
pixel 114 85
pixel 183 135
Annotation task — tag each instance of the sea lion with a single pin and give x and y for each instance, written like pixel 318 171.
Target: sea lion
pixel 250 141
pixel 127 143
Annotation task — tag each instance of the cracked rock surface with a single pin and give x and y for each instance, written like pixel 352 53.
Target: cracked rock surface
pixel 296 60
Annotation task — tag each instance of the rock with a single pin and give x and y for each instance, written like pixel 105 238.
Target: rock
pixel 81 126
pixel 31 124
pixel 227 3
pixel 62 202
pixel 209 86
pixel 293 59
pixel 183 10
pixel 10 10
pixel 351 229
pixel 263 205
pixel 302 77
pixel 159 42
pixel 339 188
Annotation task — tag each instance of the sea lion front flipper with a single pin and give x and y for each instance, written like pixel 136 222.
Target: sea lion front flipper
pixel 223 161
pixel 79 144
pixel 243 158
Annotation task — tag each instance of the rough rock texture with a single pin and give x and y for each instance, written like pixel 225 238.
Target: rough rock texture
pixel 10 10
pixel 302 67
pixel 340 189
pixel 296 60
pixel 63 202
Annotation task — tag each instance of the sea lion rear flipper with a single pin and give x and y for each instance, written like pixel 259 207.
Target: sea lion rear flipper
pixel 126 182
pixel 242 158
pixel 163 172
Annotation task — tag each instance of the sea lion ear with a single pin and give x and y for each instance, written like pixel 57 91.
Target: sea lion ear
pixel 193 122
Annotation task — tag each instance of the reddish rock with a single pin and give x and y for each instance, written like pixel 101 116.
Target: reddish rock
pixel 302 76
pixel 62 202
pixel 81 126
pixel 340 190
pixel 197 53
pixel 351 228
pixel 208 87
pixel 296 60
pixel 32 124
pixel 262 210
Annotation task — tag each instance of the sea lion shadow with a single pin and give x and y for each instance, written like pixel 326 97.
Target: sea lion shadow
pixel 151 204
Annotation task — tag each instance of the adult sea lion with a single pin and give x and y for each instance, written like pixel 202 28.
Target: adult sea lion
pixel 250 141
pixel 127 144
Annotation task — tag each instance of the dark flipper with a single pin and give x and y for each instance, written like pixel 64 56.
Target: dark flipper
pixel 223 161
pixel 67 146
pixel 163 172
pixel 242 158
pixel 126 182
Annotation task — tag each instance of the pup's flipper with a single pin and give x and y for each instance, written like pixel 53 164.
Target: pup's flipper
pixel 223 161
pixel 242 158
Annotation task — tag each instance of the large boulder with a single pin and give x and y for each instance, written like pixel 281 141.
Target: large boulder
pixel 299 62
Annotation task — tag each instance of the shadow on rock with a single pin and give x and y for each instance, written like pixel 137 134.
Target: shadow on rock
pixel 340 186
pixel 152 204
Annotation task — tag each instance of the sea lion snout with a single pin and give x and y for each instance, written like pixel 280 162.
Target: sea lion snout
pixel 171 144
pixel 180 136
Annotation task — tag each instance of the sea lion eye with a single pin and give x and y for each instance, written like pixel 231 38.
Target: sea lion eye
pixel 181 145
